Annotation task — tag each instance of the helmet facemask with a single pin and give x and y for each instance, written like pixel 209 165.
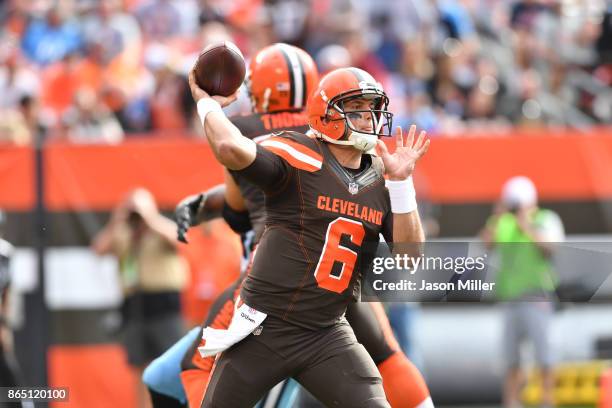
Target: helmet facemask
pixel 381 118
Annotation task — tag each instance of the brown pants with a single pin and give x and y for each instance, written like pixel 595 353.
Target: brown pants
pixel 328 362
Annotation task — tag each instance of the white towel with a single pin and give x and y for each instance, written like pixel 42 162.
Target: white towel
pixel 244 322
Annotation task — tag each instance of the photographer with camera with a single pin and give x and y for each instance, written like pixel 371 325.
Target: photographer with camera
pixel 152 276
pixel 523 235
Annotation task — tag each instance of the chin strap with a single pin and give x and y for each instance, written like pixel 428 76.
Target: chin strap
pixel 360 141
pixel 363 141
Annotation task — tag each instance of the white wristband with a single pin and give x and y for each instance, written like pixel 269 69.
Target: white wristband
pixel 207 105
pixel 403 195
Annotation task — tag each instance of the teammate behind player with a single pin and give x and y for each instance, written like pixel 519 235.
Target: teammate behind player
pixel 299 300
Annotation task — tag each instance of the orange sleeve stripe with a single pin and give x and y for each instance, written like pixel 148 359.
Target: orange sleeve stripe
pixel 294 153
pixel 297 146
pixel 294 161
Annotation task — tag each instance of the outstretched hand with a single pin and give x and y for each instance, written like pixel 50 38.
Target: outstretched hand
pixel 400 164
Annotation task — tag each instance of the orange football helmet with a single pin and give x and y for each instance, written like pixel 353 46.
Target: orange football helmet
pixel 280 77
pixel 330 121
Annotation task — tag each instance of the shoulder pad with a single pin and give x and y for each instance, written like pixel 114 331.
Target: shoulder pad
pixel 297 149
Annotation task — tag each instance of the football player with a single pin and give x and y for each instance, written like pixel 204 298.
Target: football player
pixel 314 199
pixel 269 80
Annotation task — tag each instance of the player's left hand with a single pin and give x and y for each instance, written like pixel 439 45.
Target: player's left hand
pixel 198 93
pixel 400 164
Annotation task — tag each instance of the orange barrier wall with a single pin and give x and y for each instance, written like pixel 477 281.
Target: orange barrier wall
pixel 96 376
pixel 564 165
pixel 16 178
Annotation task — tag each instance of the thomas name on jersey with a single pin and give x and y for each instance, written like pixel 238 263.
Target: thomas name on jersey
pixel 337 205
pixel 284 120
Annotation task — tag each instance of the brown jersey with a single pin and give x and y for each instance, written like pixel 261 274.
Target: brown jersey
pixel 319 217
pixel 258 127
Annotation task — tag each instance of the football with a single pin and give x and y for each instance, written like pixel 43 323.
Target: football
pixel 220 69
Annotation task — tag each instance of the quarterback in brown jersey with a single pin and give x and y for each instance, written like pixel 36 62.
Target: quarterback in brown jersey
pixel 324 200
pixel 269 81
pixel 269 75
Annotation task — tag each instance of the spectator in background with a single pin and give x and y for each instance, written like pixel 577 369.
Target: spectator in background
pixel 525 13
pixel 152 275
pixel 20 126
pixel 332 57
pixel 166 101
pixel 455 21
pixel 412 102
pixel 61 81
pixel 522 234
pixel 357 42
pixel 113 29
pixel 481 112
pixel 104 41
pixel 288 21
pixel 551 58
pixel 443 89
pixel 51 38
pixel 159 19
pixel 89 120
pixel 17 78
pixel 115 43
pixel 416 66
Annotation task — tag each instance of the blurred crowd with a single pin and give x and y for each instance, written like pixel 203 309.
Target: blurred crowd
pixel 105 70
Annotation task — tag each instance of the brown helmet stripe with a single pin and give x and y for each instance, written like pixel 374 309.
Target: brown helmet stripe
pixel 291 74
pixel 296 74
